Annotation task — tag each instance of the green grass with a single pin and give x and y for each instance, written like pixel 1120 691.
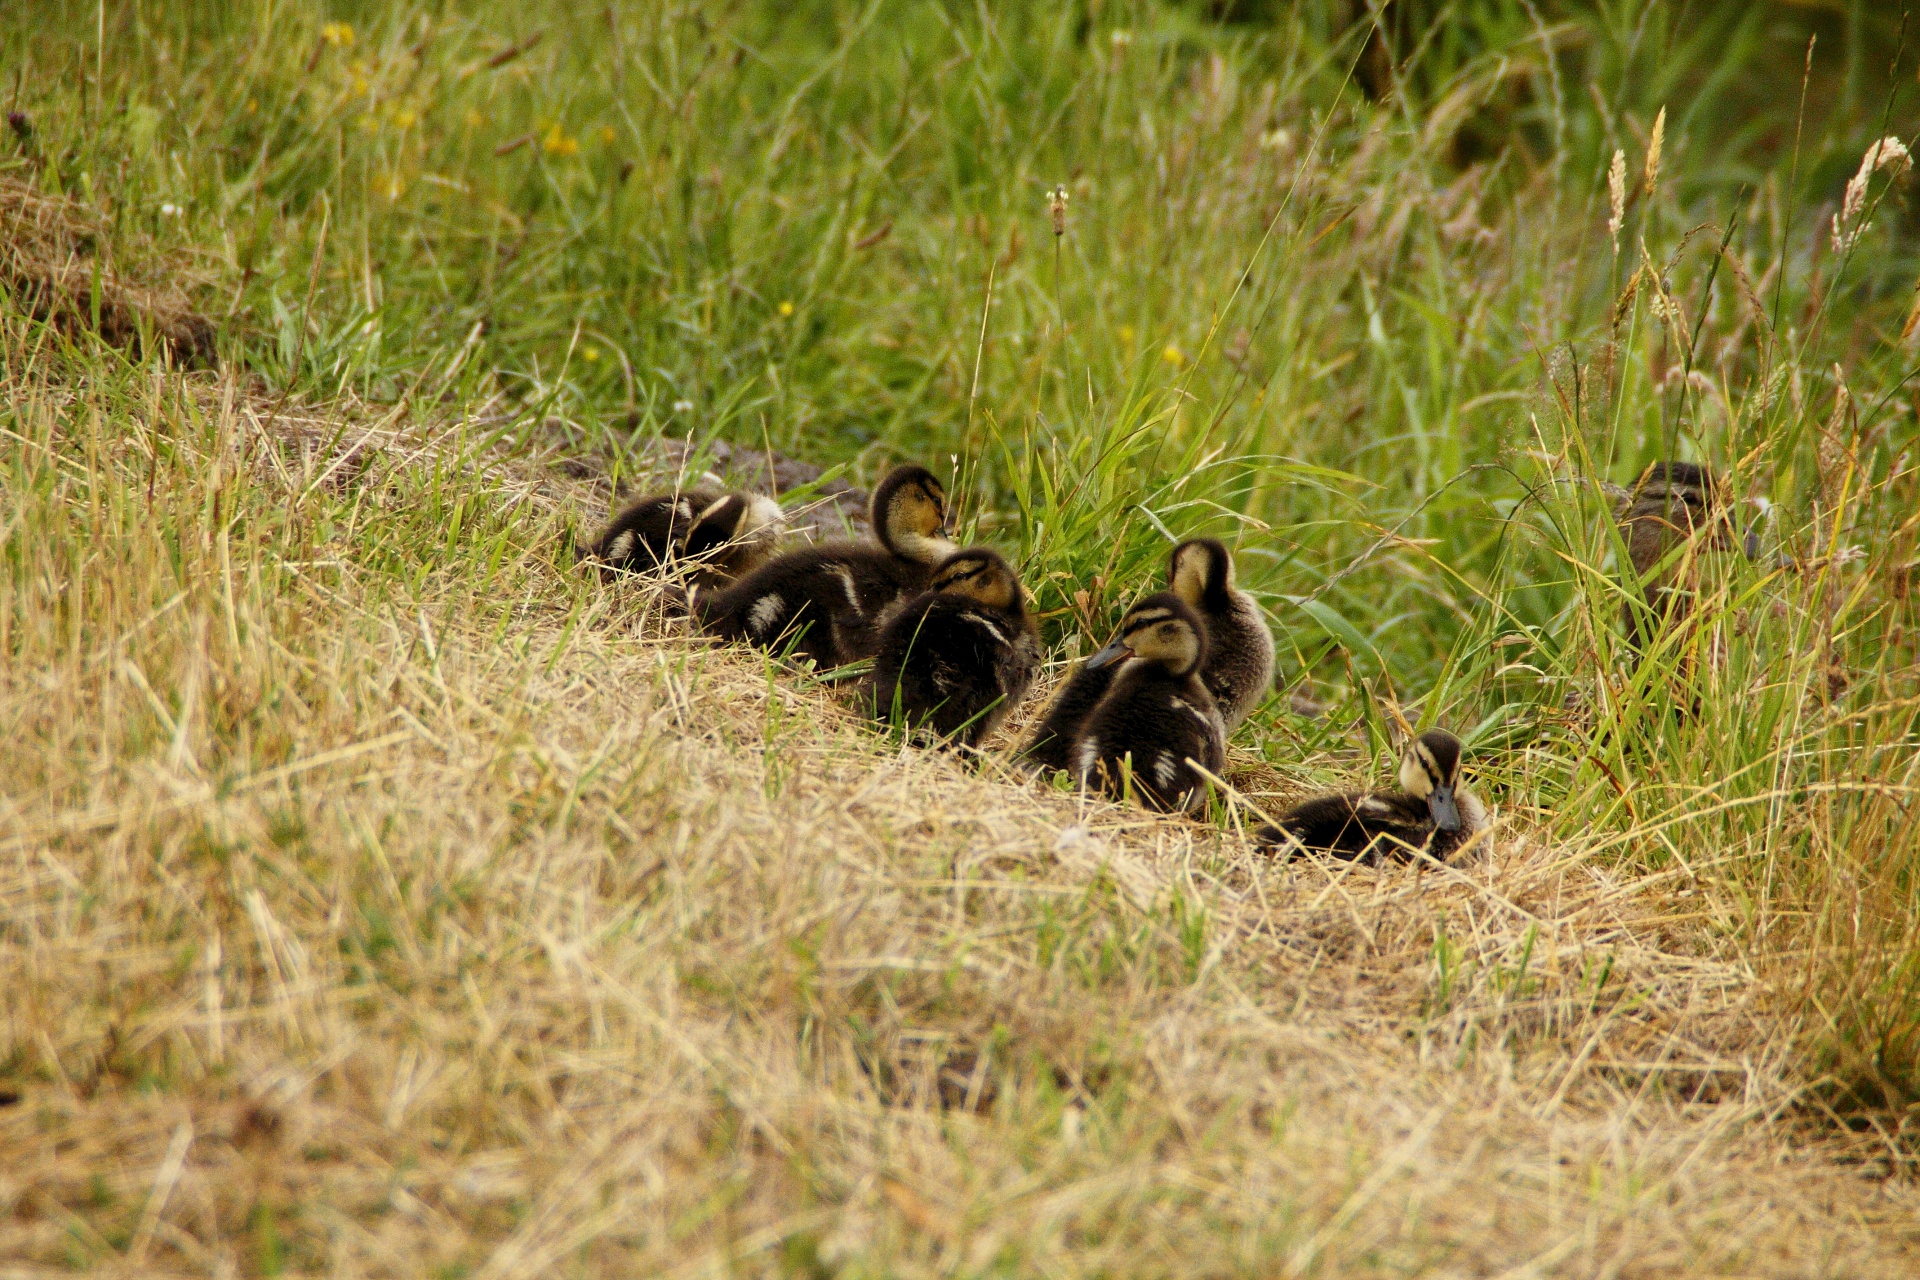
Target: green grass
pixel 1388 346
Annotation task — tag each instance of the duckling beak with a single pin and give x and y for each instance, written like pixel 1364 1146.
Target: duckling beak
pixel 1109 655
pixel 1446 814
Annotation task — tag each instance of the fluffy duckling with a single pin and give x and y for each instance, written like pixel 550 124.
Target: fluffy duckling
pixel 720 536
pixel 1669 504
pixel 1158 714
pixel 1239 666
pixel 960 655
pixel 1433 811
pixel 829 599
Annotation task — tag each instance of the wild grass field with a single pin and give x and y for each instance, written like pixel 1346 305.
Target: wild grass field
pixel 382 895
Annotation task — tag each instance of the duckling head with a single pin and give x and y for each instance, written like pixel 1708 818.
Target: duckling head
pixel 1429 769
pixel 1201 572
pixel 910 515
pixel 981 574
pixel 737 517
pixel 1162 629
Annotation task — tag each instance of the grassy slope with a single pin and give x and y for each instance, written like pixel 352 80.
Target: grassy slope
pixel 375 889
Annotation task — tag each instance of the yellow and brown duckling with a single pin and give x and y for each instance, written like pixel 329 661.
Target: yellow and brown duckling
pixel 955 659
pixel 1433 811
pixel 828 600
pixel 1157 719
pixel 715 535
pixel 1239 666
pixel 1671 503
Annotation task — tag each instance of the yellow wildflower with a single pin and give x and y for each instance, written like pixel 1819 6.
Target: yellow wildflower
pixel 786 308
pixel 589 353
pixel 559 144
pixel 1127 334
pixel 1173 355
pixel 404 118
pixel 608 133
pixel 338 34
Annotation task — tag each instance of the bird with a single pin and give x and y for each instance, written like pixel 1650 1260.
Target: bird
pixel 827 600
pixel 1433 811
pixel 716 536
pixel 1670 503
pixel 1157 720
pixel 958 657
pixel 1239 666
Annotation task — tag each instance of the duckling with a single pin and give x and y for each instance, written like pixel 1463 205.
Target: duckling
pixel 1157 715
pixel 1669 504
pixel 960 655
pixel 719 535
pixel 1433 811
pixel 1239 666
pixel 829 599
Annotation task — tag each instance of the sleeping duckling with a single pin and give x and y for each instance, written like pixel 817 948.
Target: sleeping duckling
pixel 1239 666
pixel 960 655
pixel 1669 504
pixel 828 599
pixel 718 535
pixel 1158 715
pixel 1433 811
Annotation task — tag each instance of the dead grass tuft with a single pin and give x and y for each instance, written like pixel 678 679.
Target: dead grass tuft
pixel 54 262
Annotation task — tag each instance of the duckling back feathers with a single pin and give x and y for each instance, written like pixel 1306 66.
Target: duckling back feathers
pixel 959 656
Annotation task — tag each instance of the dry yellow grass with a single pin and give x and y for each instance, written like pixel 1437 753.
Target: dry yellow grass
pixel 378 897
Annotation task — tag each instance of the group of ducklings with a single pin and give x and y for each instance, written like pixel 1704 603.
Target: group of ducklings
pixel 953 651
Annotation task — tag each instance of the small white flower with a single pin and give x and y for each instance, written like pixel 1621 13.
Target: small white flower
pixel 171 211
pixel 683 406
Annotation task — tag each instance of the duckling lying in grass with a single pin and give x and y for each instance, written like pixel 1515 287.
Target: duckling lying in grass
pixel 959 656
pixel 1157 720
pixel 1433 812
pixel 717 536
pixel 1239 664
pixel 827 600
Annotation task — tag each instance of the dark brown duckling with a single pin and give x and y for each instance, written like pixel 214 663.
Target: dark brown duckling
pixel 1433 811
pixel 716 536
pixel 1671 502
pixel 1157 719
pixel 959 656
pixel 1239 666
pixel 827 601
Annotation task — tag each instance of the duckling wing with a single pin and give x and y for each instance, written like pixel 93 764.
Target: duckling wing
pixel 1354 825
pixel 1051 744
pixel 950 666
pixel 1156 725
